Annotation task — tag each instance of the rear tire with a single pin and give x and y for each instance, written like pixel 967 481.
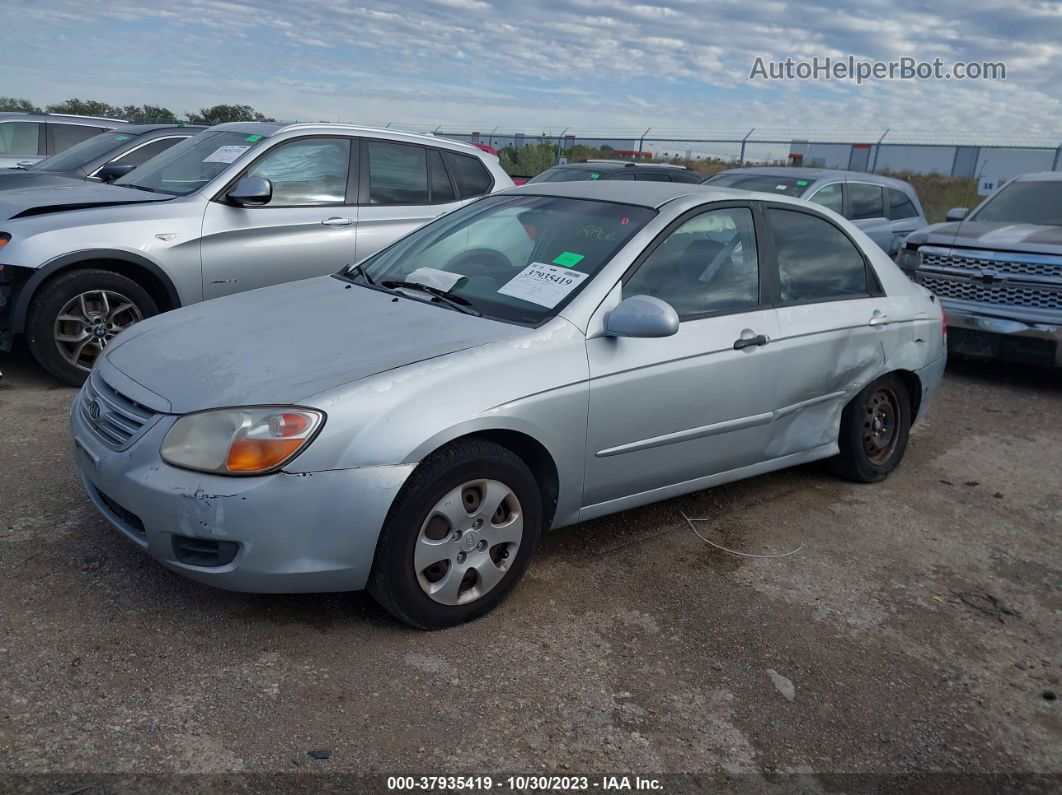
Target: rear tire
pixel 446 555
pixel 74 316
pixel 875 427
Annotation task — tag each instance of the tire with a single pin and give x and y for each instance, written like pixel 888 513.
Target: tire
pixel 450 478
pixel 875 427
pixel 112 303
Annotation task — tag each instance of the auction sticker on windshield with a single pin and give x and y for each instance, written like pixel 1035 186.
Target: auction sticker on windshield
pixel 542 284
pixel 225 154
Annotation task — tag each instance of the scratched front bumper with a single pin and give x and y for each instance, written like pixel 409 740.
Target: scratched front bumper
pixel 311 532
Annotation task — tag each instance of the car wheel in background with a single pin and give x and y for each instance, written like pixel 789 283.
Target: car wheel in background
pixel 875 427
pixel 460 535
pixel 74 316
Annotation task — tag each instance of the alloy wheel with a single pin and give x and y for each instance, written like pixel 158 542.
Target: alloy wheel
pixel 89 321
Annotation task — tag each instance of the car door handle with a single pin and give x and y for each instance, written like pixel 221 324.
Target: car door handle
pixel 748 342
pixel 335 220
pixel 879 319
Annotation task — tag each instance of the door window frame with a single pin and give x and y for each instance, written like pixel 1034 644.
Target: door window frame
pixel 365 175
pixel 844 196
pixel 763 298
pixel 873 283
pixel 350 199
pixel 848 201
pixel 128 152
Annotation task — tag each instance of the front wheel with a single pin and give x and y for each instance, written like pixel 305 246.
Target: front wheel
pixel 875 427
pixel 74 317
pixel 459 536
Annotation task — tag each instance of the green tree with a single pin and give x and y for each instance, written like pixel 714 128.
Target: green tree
pixel 18 105
pixel 528 160
pixel 219 114
pixel 85 107
pixel 149 114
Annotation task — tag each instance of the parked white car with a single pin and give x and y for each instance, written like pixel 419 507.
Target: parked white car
pixel 239 206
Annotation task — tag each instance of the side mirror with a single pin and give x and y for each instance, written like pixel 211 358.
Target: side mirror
pixel 642 316
pixel 956 214
pixel 111 171
pixel 25 163
pixel 251 191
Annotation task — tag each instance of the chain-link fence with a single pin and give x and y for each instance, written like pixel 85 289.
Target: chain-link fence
pixel 879 152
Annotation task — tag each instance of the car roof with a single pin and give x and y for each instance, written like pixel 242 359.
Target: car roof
pixel 325 128
pixel 643 194
pixel 616 165
pixel 1040 176
pixel 797 172
pixel 9 115
pixel 141 129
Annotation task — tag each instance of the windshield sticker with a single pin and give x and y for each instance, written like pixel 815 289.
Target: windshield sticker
pixel 780 187
pixel 121 138
pixel 568 259
pixel 594 175
pixel 225 154
pixel 542 284
pixel 802 182
pixel 253 138
pixel 596 232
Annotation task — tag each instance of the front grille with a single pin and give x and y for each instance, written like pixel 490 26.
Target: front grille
pixel 116 419
pixel 1006 294
pixel 1002 265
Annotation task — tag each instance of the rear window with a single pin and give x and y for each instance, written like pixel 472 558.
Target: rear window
pixel 1023 203
pixel 900 204
pixel 766 183
pixel 19 138
pixel 469 173
pixel 398 173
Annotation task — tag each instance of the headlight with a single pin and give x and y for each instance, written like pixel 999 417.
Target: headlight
pixel 908 258
pixel 5 238
pixel 243 441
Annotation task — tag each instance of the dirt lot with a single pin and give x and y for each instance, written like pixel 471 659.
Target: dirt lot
pixel 915 631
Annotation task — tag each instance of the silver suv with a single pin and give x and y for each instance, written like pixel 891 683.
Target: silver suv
pixel 239 206
pixel 26 138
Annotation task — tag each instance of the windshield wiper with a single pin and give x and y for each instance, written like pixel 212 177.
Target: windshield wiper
pixel 357 270
pixel 458 302
pixel 136 187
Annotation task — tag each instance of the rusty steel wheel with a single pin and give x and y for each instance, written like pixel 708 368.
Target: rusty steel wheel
pixel 880 424
pixel 874 429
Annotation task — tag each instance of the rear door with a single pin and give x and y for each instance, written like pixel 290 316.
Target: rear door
pixel 675 409
pixel 21 141
pixel 404 186
pixel 835 325
pixel 307 229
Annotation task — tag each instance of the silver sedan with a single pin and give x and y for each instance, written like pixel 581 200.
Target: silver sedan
pixel 543 356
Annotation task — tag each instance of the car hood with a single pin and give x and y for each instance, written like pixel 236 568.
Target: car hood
pixel 13 179
pixel 285 343
pixel 1030 238
pixel 20 201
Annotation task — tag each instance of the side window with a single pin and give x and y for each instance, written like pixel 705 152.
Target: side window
pixel 829 196
pixel 398 173
pixel 306 172
pixel 144 153
pixel 707 265
pixel 19 138
pixel 864 201
pixel 441 189
pixel 63 136
pixel 471 176
pixel 816 261
pixel 900 205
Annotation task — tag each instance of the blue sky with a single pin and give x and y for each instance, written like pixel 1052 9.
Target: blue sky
pixel 593 65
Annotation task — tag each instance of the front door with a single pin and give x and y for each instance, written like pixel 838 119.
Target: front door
pixel 307 228
pixel 671 410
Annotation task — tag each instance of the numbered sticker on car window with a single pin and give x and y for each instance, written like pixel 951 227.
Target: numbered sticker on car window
pixel 225 154
pixel 542 284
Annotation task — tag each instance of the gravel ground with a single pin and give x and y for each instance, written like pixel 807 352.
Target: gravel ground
pixel 915 631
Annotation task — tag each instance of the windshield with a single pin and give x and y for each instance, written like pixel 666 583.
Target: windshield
pixel 1023 203
pixel 784 186
pixel 565 175
pixel 191 164
pixel 513 258
pixel 82 154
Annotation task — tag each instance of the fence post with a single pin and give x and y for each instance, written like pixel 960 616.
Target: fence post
pixel 641 143
pixel 741 160
pixel 1058 158
pixel 877 148
pixel 559 139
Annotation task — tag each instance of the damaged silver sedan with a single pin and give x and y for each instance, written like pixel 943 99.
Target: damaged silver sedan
pixel 543 356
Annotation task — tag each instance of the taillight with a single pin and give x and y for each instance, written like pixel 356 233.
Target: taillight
pixel 5 238
pixel 944 327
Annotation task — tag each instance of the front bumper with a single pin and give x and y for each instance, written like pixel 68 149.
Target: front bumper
pixel 280 533
pixel 973 331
